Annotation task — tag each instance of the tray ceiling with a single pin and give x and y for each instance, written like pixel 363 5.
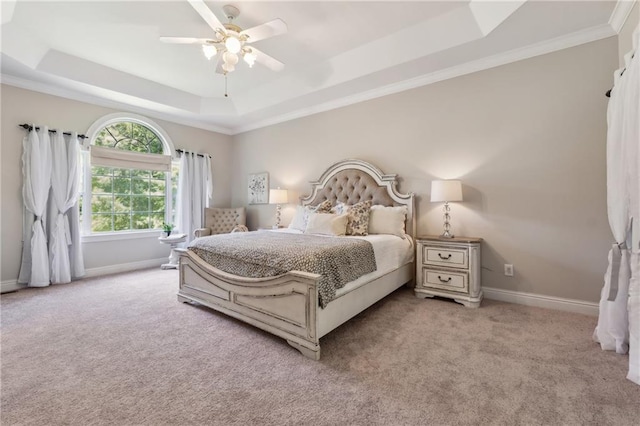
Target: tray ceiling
pixel 335 52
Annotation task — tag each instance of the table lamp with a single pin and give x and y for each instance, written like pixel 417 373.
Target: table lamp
pixel 446 190
pixel 278 196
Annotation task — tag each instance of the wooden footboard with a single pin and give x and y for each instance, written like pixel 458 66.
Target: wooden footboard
pixel 285 305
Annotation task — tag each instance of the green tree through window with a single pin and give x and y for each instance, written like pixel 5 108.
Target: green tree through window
pixel 130 199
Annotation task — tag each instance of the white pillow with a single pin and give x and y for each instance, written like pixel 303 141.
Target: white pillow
pixel 326 224
pixel 387 220
pixel 299 220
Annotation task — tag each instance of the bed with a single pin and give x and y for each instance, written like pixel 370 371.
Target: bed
pixel 288 305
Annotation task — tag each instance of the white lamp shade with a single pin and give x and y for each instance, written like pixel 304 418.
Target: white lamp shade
pixel 278 196
pixel 446 190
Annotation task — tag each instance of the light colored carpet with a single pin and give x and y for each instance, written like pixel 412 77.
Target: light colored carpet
pixel 120 350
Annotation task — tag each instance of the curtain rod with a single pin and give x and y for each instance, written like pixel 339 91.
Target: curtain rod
pixel 608 94
pixel 30 128
pixel 181 151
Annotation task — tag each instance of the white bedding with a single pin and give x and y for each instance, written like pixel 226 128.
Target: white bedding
pixel 391 252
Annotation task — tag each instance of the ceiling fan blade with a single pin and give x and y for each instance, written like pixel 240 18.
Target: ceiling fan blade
pixel 267 60
pixel 206 14
pixel 266 30
pixel 183 40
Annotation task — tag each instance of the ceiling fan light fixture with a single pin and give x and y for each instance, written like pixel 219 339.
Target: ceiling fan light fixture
pixel 230 58
pixel 231 41
pixel 232 44
pixel 250 58
pixel 209 51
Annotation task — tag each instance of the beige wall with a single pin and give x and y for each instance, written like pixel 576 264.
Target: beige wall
pixel 527 140
pixel 625 41
pixel 24 106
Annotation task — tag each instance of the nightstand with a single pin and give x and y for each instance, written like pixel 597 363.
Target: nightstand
pixel 449 267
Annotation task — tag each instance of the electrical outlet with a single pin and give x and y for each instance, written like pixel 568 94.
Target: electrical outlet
pixel 508 269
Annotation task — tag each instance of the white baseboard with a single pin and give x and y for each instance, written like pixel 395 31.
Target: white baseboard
pixel 12 285
pixel 541 301
pixel 124 267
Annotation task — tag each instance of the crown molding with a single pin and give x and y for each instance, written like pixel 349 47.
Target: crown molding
pixel 571 40
pixel 620 14
pixel 49 89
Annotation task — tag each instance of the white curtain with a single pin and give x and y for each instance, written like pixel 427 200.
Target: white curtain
pixel 50 194
pixel 64 252
pixel 36 175
pixel 619 320
pixel 195 189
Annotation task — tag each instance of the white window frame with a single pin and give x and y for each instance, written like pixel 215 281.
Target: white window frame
pixel 92 133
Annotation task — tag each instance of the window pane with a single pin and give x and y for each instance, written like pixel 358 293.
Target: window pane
pixel 155 146
pixel 102 203
pixel 101 184
pixel 130 137
pixel 157 204
pixel 139 186
pixel 156 187
pixel 122 186
pixel 100 222
pixel 140 203
pixel 140 221
pixel 155 174
pixel 157 219
pixel 125 173
pixel 122 204
pixel 121 222
pixel 144 174
pixel 100 171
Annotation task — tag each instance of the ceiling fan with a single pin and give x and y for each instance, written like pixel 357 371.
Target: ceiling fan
pixel 231 41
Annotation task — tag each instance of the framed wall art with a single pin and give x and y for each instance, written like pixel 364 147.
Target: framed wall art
pixel 258 188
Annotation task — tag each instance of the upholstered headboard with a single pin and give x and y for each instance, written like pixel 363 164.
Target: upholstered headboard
pixel 351 181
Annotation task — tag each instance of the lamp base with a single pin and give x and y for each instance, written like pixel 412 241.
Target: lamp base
pixel 447 227
pixel 278 213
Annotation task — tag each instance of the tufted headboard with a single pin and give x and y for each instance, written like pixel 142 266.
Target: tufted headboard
pixel 351 181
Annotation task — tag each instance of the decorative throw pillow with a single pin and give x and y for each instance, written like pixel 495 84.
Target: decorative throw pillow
pixel 358 218
pixel 388 220
pixel 326 224
pixel 301 218
pixel 323 207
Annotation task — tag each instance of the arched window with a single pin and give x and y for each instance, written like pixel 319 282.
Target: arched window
pixel 130 180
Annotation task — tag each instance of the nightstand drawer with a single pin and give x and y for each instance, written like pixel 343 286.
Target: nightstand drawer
pixel 452 258
pixel 445 280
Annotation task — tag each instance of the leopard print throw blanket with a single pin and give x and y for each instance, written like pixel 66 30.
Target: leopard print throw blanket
pixel 268 254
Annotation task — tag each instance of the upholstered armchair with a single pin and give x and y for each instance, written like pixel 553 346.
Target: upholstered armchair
pixel 222 221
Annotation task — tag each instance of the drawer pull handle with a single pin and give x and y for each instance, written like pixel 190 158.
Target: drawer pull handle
pixel 447 257
pixel 444 281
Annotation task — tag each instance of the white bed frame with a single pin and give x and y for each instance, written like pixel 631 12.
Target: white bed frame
pixel 287 305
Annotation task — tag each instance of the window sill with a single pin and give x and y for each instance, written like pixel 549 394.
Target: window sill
pixel 117 236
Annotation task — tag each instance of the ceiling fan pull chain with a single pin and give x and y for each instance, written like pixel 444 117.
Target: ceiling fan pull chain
pixel 225 85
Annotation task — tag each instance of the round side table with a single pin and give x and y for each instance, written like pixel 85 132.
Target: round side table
pixel 173 240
